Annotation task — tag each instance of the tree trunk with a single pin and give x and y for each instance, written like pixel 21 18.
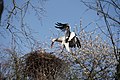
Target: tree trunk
pixel 118 67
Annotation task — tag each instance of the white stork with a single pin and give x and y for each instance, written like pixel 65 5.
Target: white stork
pixel 70 39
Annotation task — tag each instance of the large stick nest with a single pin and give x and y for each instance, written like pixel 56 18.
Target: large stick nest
pixel 44 66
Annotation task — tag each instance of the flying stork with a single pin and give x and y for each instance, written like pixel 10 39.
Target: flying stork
pixel 70 39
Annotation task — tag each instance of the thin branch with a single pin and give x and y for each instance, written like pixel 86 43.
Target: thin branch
pixel 102 30
pixel 109 31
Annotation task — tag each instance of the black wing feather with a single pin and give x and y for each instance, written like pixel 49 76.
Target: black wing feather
pixel 78 43
pixel 61 26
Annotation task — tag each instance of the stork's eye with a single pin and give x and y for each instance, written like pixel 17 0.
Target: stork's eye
pixel 67 27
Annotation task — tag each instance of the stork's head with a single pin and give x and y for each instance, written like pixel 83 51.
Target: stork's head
pixel 67 26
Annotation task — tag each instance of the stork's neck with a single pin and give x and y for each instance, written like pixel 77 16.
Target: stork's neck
pixel 68 30
pixel 67 33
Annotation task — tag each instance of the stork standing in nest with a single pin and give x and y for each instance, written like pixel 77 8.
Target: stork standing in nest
pixel 70 39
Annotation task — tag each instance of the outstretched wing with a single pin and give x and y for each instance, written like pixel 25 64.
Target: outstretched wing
pixel 61 26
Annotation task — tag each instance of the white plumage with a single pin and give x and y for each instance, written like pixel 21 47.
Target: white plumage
pixel 62 41
pixel 72 35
